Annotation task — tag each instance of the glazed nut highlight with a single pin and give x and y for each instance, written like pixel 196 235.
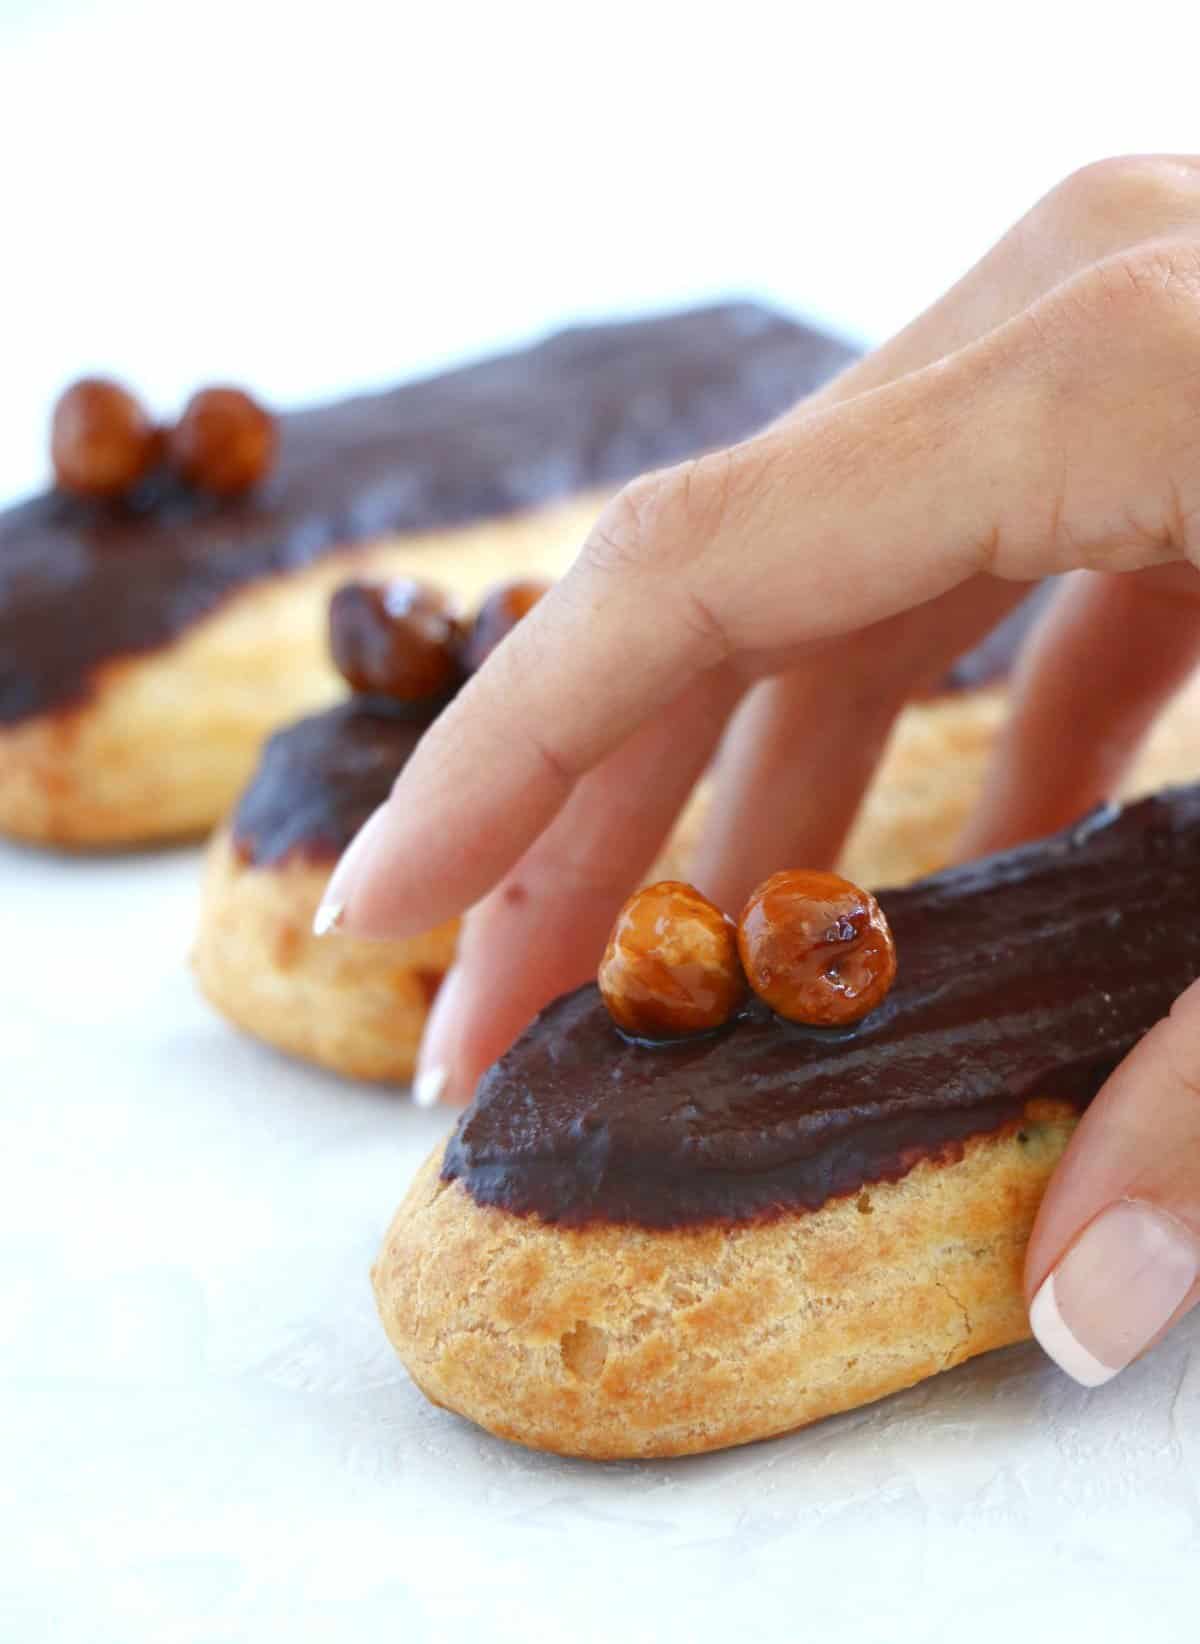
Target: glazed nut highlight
pixel 671 965
pixel 813 946
pixel 397 639
pixel 224 442
pixel 816 948
pixel 102 441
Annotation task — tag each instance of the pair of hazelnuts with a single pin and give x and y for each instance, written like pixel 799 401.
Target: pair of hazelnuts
pixel 103 441
pixel 813 946
pixel 403 639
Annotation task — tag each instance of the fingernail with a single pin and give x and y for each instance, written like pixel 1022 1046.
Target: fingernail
pixel 435 1080
pixel 428 1086
pixel 1117 1286
pixel 328 916
pixel 332 907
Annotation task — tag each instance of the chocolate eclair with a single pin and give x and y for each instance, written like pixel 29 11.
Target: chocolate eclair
pixel 149 640
pixel 356 1007
pixel 360 1007
pixel 648 1250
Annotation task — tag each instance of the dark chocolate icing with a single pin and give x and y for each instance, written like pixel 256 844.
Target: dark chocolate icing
pixel 318 781
pixel 1026 976
pixel 309 796
pixel 81 583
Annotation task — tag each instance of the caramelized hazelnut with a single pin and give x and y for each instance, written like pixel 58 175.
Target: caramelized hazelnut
pixel 101 440
pixel 816 948
pixel 671 964
pixel 394 639
pixel 225 442
pixel 499 614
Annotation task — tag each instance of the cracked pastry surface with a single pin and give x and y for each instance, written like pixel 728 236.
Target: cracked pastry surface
pixel 612 1342
pixel 635 1251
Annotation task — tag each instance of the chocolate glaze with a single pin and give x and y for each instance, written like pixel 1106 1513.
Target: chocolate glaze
pixel 1026 976
pixel 318 781
pixel 309 795
pixel 81 583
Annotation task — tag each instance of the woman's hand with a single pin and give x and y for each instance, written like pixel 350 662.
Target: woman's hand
pixel 797 590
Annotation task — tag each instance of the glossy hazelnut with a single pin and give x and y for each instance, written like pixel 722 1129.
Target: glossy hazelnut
pixel 101 440
pixel 499 614
pixel 816 948
pixel 395 639
pixel 671 964
pixel 224 443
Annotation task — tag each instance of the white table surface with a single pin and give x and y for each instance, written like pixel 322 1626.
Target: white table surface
pixel 203 1433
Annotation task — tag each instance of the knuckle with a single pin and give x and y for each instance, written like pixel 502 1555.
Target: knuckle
pixel 1155 291
pixel 1123 187
pixel 1114 364
pixel 1141 306
pixel 665 520
pixel 629 535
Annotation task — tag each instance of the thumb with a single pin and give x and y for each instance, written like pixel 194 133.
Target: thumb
pixel 1114 1260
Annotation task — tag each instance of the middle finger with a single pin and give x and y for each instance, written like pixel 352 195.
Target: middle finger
pixel 805 746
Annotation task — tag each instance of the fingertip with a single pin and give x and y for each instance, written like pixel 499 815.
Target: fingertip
pixel 437 1079
pixel 428 1086
pixel 1114 1257
pixel 1059 1342
pixel 1117 1288
pixel 339 900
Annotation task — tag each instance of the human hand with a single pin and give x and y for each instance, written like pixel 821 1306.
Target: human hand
pixel 795 591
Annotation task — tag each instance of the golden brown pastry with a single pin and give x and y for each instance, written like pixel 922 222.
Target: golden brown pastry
pixel 931 776
pixel 163 608
pixel 610 1341
pixel 356 1007
pixel 648 1250
pixel 163 743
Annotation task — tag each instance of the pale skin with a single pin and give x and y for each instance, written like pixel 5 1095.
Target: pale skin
pixel 789 595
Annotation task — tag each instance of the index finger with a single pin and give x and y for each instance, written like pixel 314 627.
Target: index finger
pixel 742 559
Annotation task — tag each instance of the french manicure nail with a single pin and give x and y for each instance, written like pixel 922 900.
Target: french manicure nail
pixel 328 916
pixel 1117 1286
pixel 332 908
pixel 435 1064
pixel 428 1086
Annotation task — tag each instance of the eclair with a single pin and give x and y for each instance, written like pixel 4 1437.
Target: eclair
pixel 162 608
pixel 356 1007
pixel 359 1007
pixel 631 1248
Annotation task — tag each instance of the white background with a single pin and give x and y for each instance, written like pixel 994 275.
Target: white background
pixel 207 1437
pixel 305 197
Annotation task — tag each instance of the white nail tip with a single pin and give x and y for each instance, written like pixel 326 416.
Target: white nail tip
pixel 429 1086
pixel 328 917
pixel 1054 1336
